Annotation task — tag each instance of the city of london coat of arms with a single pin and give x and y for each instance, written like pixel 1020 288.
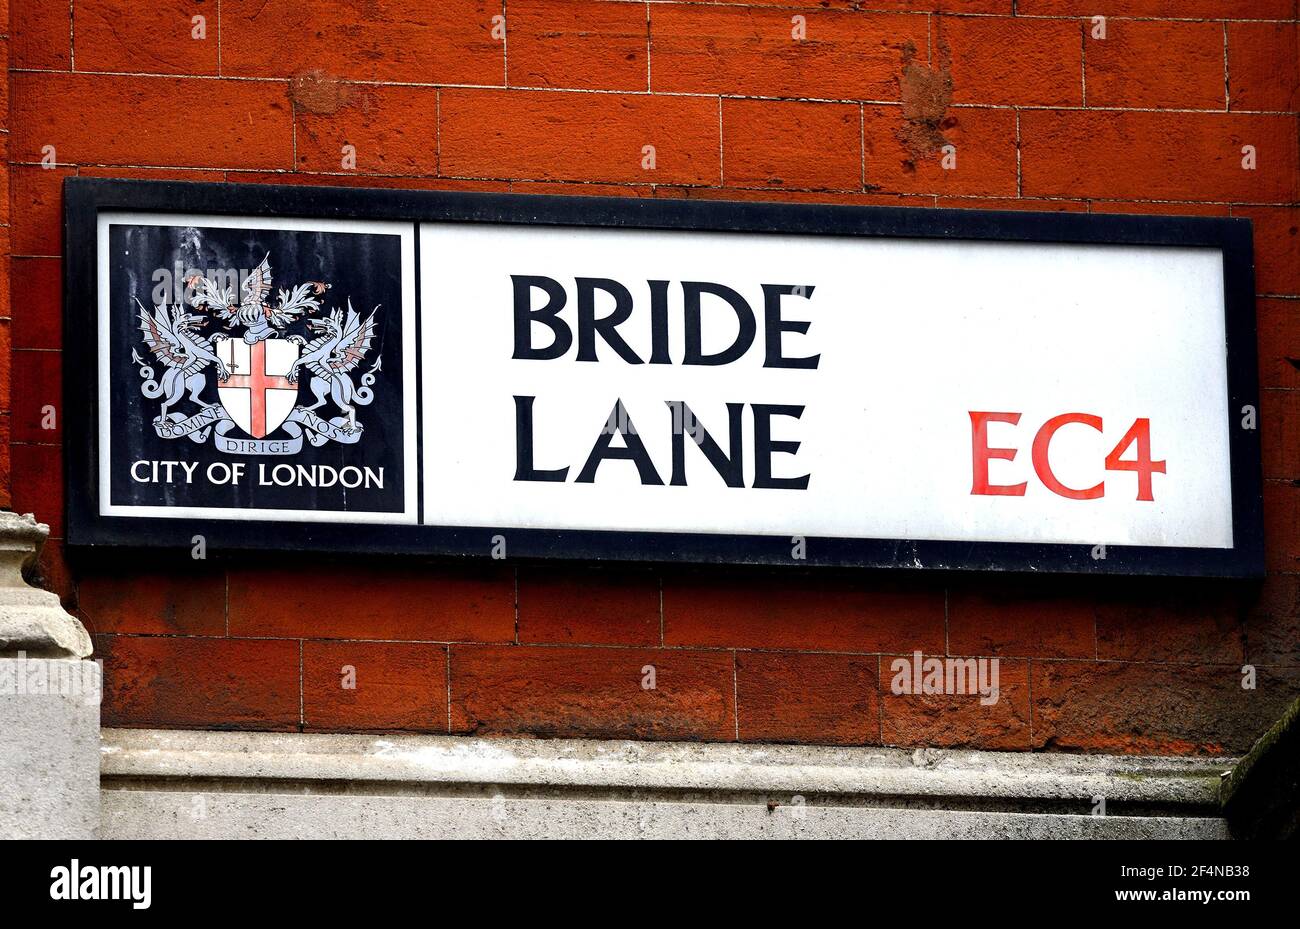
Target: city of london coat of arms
pixel 260 369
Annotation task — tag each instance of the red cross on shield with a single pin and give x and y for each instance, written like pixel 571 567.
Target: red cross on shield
pixel 258 395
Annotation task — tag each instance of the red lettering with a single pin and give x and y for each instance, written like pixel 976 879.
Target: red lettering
pixel 981 454
pixel 1139 432
pixel 1043 466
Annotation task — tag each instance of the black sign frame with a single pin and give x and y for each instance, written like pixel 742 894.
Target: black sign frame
pixel 85 198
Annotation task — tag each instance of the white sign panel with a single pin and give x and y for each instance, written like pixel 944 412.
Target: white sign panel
pixel 882 389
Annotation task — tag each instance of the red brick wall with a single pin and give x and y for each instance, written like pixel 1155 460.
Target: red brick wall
pixel 6 334
pixel 1043 115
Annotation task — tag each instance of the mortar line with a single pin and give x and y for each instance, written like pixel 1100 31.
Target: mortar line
pixel 735 695
pixel 947 647
pixel 705 95
pixel 1029 691
pixel 880 702
pixel 661 611
pixel 647 48
pixel 1227 94
pixel 722 177
pixel 1083 61
pixel 1020 181
pixel 862 147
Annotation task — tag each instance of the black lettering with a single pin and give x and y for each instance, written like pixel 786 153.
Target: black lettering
pixel 691 290
pixel 548 315
pixel 634 450
pixel 659 323
pixel 732 468
pixel 606 326
pixel 774 325
pixel 524 470
pixel 765 447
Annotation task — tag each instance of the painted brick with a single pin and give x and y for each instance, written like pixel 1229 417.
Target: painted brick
pixel 1187 621
pixel 571 189
pixel 1164 156
pixel 52 572
pixel 1281 524
pixel 36 286
pixel 41 34
pixel 1026 62
pixel 37 383
pixel 1157 64
pixel 6 498
pixel 398 40
pixel 1273 622
pixel 904 151
pixel 799 613
pixel 1022 620
pixel 577 44
pixel 127 120
pixel 740 50
pixel 137 172
pixel 1277 247
pixel 841 197
pixel 769 143
pixel 790 697
pixel 1003 203
pixel 37 219
pixel 1264 66
pixel 37 482
pixel 393 130
pixel 1278 324
pixel 585 606
pixel 1161 208
pixel 186 600
pixel 1187 9
pixel 955 720
pixel 1142 708
pixel 592 692
pixel 540 135
pixel 145 38
pixel 904 6
pixel 365 180
pixel 371 601
pixel 374 686
pixel 199 683
pixel 4 139
pixel 1280 435
pixel 6 367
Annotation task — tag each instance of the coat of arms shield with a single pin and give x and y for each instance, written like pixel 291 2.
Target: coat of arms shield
pixel 258 394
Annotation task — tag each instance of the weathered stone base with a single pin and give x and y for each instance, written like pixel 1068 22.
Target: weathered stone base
pixel 162 784
pixel 49 748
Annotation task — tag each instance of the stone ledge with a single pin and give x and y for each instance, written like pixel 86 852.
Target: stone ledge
pixel 396 764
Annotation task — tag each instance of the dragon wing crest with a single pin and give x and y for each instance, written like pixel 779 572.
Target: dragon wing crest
pixel 355 341
pixel 161 337
pixel 257 285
